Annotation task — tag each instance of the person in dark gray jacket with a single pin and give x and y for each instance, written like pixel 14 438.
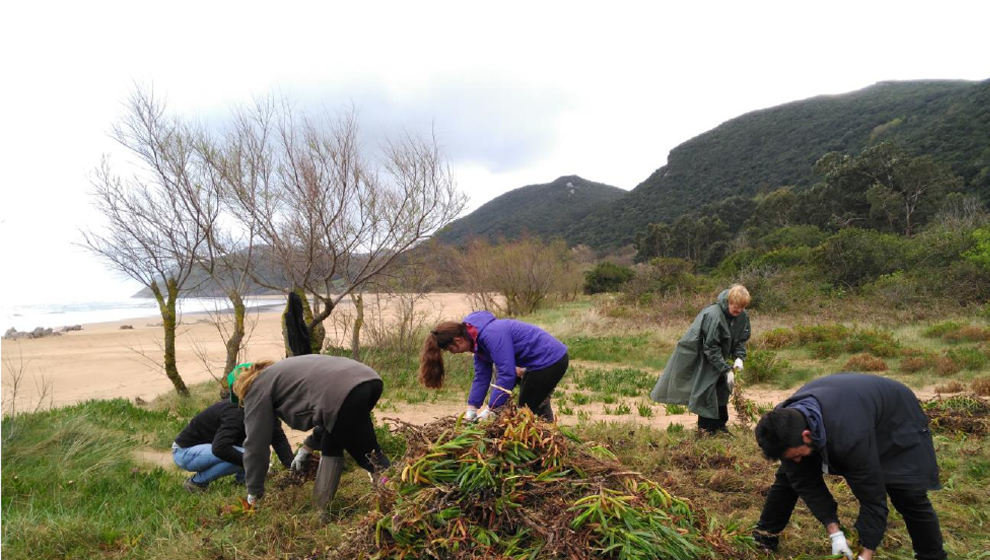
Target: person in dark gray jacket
pixel 868 429
pixel 331 393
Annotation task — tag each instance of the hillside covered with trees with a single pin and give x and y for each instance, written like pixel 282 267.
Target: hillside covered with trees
pixel 764 150
pixel 544 211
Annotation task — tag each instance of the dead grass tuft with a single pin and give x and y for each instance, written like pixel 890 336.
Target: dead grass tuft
pixel 981 386
pixel 945 365
pixel 865 362
pixel 968 333
pixel 950 387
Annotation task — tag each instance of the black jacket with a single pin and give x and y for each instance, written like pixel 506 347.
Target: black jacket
pixel 876 436
pixel 222 425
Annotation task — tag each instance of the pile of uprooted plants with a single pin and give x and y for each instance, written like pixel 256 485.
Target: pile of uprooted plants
pixel 959 414
pixel 517 487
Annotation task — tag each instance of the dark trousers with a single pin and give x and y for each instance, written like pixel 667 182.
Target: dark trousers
pixel 537 386
pixel 911 503
pixel 354 430
pixel 713 425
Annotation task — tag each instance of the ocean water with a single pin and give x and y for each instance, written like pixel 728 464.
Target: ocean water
pixel 27 317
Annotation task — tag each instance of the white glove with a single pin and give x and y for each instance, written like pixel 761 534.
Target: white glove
pixel 839 544
pixel 486 413
pixel 737 365
pixel 730 380
pixel 471 414
pixel 302 456
pixel 252 499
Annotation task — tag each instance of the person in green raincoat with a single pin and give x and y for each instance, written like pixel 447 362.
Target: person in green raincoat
pixel 699 373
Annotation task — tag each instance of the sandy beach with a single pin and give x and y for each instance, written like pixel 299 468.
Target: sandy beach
pixel 104 360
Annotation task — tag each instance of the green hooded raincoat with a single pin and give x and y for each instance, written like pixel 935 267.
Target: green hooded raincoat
pixel 702 358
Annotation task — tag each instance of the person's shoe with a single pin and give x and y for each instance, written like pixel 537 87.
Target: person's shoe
pixel 766 541
pixel 722 430
pixel 195 487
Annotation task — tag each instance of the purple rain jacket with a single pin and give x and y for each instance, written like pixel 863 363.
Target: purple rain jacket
pixel 506 343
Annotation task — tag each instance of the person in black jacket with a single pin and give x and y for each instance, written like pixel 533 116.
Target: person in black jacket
pixel 868 429
pixel 211 445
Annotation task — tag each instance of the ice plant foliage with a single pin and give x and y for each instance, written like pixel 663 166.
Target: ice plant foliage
pixel 521 488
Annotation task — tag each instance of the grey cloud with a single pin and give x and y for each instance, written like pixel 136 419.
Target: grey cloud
pixel 502 126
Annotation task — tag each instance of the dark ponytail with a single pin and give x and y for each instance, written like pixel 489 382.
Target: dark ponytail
pixel 431 358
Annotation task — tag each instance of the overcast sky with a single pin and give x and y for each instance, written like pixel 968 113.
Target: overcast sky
pixel 518 93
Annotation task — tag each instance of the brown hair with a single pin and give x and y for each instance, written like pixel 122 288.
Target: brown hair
pixel 246 379
pixel 739 295
pixel 431 358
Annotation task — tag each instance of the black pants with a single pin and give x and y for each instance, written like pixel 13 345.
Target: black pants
pixel 912 503
pixel 537 386
pixel 354 430
pixel 713 425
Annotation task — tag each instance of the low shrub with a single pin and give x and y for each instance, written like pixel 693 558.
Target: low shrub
pixel 939 330
pixel 968 358
pixel 877 342
pixel 606 277
pixel 776 339
pixel 981 386
pixel 764 366
pixel 865 362
pixel 821 333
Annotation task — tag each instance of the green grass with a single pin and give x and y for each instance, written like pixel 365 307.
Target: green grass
pixel 628 382
pixel 637 350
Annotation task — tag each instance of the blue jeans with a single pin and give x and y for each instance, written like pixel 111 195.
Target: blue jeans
pixel 201 460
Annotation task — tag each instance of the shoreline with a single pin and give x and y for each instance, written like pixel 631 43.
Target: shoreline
pixel 61 316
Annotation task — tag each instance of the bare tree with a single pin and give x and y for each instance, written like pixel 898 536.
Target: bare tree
pixel 526 273
pixel 230 164
pixel 329 214
pixel 156 222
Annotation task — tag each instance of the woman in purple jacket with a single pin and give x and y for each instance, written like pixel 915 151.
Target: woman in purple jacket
pixel 521 353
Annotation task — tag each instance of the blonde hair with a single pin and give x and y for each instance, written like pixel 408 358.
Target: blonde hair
pixel 739 295
pixel 244 381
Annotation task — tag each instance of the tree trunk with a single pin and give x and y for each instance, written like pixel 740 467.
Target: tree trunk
pixel 237 332
pixel 358 300
pixel 317 332
pixel 166 304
